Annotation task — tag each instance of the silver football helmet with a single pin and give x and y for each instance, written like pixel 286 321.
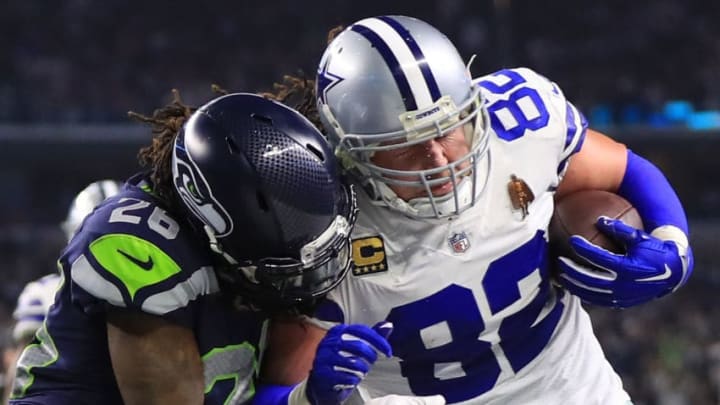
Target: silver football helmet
pixel 393 81
pixel 84 203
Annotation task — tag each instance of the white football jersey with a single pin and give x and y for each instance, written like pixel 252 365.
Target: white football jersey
pixel 32 305
pixel 476 317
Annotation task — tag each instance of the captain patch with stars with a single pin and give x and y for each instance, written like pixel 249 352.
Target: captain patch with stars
pixel 369 256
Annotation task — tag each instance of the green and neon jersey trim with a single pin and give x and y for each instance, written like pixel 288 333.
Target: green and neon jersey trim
pixel 135 262
pixel 40 354
pixel 234 362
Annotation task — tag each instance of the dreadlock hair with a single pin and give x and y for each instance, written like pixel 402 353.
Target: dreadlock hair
pixel 295 91
pixel 299 91
pixel 166 123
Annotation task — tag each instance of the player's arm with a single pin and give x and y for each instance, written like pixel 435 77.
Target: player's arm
pixel 598 165
pixel 155 361
pixel 291 348
pixel 658 260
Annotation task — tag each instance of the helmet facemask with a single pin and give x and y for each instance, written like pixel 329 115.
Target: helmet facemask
pixel 392 82
pixel 288 283
pixel 468 173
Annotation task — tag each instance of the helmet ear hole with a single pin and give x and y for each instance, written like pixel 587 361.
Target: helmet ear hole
pixel 264 119
pixel 262 201
pixel 316 152
pixel 232 146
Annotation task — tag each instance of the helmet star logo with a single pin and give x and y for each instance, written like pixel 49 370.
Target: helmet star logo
pixel 326 81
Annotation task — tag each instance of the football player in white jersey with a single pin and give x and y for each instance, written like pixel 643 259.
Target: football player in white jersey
pixel 459 179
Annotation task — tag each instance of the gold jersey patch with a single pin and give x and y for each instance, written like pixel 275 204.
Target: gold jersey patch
pixel 368 256
pixel 520 194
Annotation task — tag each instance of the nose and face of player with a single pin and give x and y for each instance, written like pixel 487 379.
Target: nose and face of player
pixel 426 156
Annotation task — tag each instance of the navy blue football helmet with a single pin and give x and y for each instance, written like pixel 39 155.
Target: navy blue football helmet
pixel 264 187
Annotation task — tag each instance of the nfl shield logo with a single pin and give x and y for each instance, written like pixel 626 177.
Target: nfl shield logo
pixel 459 242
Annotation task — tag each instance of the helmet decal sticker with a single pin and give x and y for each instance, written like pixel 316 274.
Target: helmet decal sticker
pixel 196 193
pixel 326 81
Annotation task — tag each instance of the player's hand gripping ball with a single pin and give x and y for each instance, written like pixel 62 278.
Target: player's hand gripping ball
pixel 577 214
pixel 617 264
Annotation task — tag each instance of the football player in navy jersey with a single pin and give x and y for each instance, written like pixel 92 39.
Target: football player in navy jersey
pixel 459 178
pixel 167 286
pixel 37 295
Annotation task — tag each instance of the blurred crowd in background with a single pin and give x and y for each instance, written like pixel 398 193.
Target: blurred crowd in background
pixel 645 71
pixel 80 61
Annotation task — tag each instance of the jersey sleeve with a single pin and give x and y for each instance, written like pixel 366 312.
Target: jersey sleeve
pixel 132 255
pixel 571 119
pixel 524 104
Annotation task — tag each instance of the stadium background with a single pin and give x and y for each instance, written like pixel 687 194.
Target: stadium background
pixel 644 72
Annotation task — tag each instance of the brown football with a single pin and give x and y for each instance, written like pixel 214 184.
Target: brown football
pixel 577 213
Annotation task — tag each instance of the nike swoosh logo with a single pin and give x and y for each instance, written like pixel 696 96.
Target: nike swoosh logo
pixel 659 277
pixel 145 265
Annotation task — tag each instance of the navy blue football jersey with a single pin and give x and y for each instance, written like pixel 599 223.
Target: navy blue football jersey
pixel 131 254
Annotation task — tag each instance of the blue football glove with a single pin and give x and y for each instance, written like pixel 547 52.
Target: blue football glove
pixel 343 358
pixel 651 268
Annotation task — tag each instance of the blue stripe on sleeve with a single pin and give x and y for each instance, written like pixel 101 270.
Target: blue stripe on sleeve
pixel 35 318
pixel 572 133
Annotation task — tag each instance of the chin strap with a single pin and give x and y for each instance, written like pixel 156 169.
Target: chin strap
pixel 215 245
pixel 445 206
pixel 437 207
